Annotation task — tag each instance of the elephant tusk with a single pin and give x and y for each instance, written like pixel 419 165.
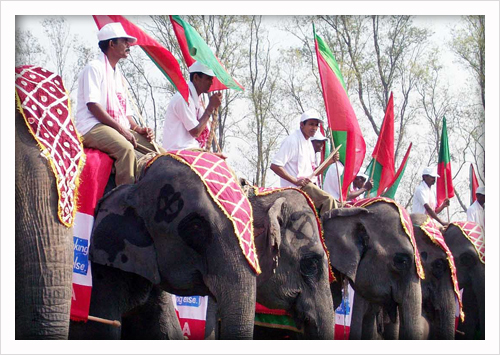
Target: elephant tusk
pixel 114 323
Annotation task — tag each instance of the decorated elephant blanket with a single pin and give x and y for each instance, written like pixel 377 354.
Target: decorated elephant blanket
pixel 405 222
pixel 431 230
pixel 44 104
pixel 223 188
pixel 474 234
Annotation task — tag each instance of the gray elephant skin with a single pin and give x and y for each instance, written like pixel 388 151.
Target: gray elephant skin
pixel 471 276
pixel 438 296
pixel 370 248
pixel 43 246
pixel 167 230
pixel 295 273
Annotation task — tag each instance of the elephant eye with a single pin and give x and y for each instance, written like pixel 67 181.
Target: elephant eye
pixel 402 262
pixel 467 260
pixel 310 266
pixel 438 268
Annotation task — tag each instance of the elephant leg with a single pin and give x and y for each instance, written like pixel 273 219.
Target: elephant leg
pixel 43 246
pixel 154 320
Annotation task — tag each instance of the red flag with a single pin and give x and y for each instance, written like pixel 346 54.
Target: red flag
pixel 163 59
pixel 383 154
pixel 393 186
pixel 473 184
pixel 444 183
pixel 341 117
pixel 202 53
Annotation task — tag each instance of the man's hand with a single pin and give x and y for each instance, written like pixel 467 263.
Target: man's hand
pixel 336 157
pixel 214 102
pixel 301 182
pixel 368 185
pixel 146 132
pixel 446 202
pixel 129 136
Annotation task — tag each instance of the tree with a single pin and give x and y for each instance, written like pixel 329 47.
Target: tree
pixel 28 49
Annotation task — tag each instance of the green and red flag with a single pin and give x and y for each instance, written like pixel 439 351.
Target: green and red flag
pixel 194 48
pixel 473 184
pixel 163 59
pixel 444 183
pixel 381 168
pixel 341 117
pixel 393 186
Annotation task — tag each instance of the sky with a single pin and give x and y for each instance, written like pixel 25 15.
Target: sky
pixel 10 9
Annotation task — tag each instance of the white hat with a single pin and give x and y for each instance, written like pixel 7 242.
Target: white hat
pixel 364 176
pixel 198 67
pixel 114 30
pixel 318 136
pixel 430 171
pixel 480 190
pixel 310 114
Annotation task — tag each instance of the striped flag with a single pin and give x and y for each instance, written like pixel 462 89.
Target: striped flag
pixel 473 184
pixel 381 168
pixel 393 186
pixel 444 183
pixel 341 117
pixel 194 48
pixel 163 59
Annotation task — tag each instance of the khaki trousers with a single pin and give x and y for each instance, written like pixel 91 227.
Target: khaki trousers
pixel 322 200
pixel 111 142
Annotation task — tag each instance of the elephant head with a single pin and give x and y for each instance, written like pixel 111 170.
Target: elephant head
pixel 295 271
pixel 167 229
pixel 471 276
pixel 371 248
pixel 438 297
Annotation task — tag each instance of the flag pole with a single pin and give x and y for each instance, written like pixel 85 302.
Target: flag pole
pixel 213 126
pixel 336 168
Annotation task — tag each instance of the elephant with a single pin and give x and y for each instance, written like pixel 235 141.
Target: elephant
pixel 471 276
pixel 166 232
pixel 370 247
pixel 295 270
pixel 43 246
pixel 438 296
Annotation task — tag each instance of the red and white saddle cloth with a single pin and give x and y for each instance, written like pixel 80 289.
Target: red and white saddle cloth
pixel 43 102
pixel 405 222
pixel 431 229
pixel 225 191
pixel 474 234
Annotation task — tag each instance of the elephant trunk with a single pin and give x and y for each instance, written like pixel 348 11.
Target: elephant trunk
pixel 319 320
pixel 236 306
pixel 410 311
pixel 446 314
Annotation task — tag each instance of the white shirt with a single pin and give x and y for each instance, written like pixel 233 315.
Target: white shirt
pixel 296 155
pixel 92 88
pixel 331 183
pixel 475 213
pixel 423 195
pixel 180 118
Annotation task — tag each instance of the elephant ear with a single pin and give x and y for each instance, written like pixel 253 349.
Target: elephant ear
pixel 345 238
pixel 268 241
pixel 120 238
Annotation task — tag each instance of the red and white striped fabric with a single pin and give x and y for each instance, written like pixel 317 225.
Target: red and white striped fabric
pixel 43 102
pixel 93 181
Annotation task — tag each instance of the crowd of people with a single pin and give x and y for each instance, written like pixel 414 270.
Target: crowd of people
pixel 104 118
